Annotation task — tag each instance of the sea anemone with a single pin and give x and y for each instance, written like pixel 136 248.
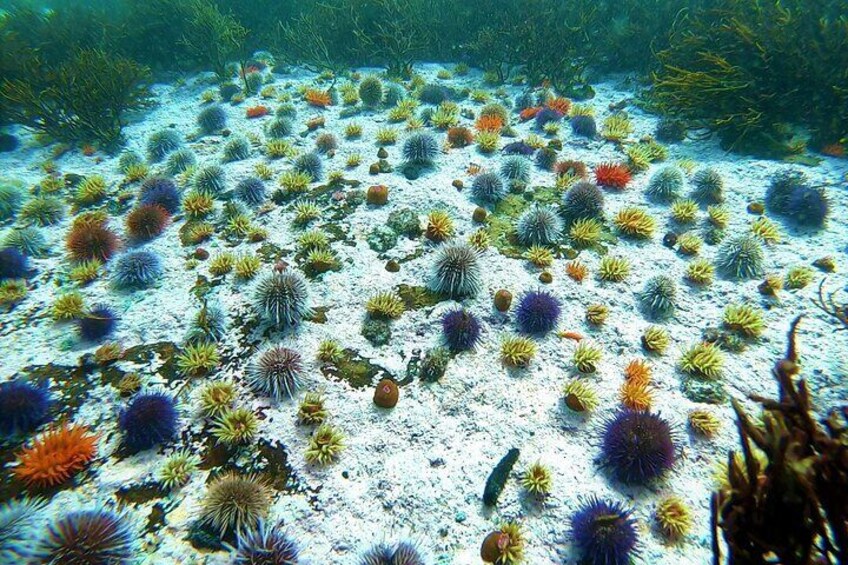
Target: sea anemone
pixel 97 324
pixel 161 143
pixel 579 396
pixel 655 339
pixel 488 187
pixel 744 319
pixel 538 225
pixel 708 186
pixel 613 268
pixel 586 356
pixel 704 423
pixel 604 533
pixel 516 169
pixel 517 351
pixel 659 297
pixel 460 329
pixel 150 419
pixel 265 545
pixel 146 222
pixel 538 312
pixel 638 446
pixel 177 468
pixel 198 358
pixel 13 264
pixel 91 239
pixel 384 306
pixel 161 192
pixel 371 91
pixel 23 407
pixel 251 191
pixel 612 175
pixel 216 398
pixel 236 503
pixel 283 298
pixel 703 360
pixel 401 553
pixel 673 517
pixel 741 257
pixel 325 445
pixel 583 200
pixel 439 226
pixel 420 149
pixel 665 185
pixel 584 126
pixel 56 455
pixel 236 149
pixel 212 119
pixel 504 546
pixel 136 269
pixel 456 271
pixel 89 536
pixel 235 426
pixel 585 232
pixel 210 180
pixel 309 163
pixel 277 373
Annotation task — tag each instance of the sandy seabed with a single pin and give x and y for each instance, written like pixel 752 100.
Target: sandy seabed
pixel 419 469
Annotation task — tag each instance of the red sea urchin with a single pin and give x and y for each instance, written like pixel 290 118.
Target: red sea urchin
pixel 91 239
pixel 612 175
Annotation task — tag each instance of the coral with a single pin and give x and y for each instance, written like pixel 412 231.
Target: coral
pixel 538 225
pixel 371 91
pixel 283 298
pixel 638 447
pixel 673 517
pixel 266 545
pixel 741 257
pixel 146 222
pixel 517 351
pixel 212 119
pixel 13 264
pixel 744 319
pixel 162 143
pixel 97 324
pixel 420 149
pixel 666 184
pixel 43 210
pixel 210 180
pixel 325 445
pixel 515 169
pixel 236 149
pixel 216 398
pixel 251 191
pixel 584 126
pixel 708 186
pixel 799 277
pixel 704 423
pixel 309 163
pixel 177 468
pixel 198 359
pixel 579 396
pixel 700 272
pixel 583 200
pixel 56 455
pixel 180 161
pixel 586 356
pixel 456 271
pixel 504 546
pixel 488 187
pixel 150 419
pixel 612 175
pixel 88 536
pixel 655 339
pixel 277 373
pixel 90 239
pixel 311 409
pixel 23 407
pixel 235 427
pixel 235 502
pixel 136 269
pixel 613 268
pixel 162 192
pixel 659 296
pixel 703 360
pixel 538 312
pixel 460 330
pixel 604 533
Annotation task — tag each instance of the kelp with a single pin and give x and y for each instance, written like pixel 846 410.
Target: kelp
pixel 84 99
pixel 745 69
pixel 786 498
pixel 213 37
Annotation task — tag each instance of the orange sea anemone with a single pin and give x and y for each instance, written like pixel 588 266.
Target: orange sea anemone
pixel 612 175
pixel 636 396
pixel 257 111
pixel 561 105
pixel 460 136
pixel 833 150
pixel 489 123
pixel 529 113
pixel 638 371
pixel 576 270
pixel 56 455
pixel 473 169
pixel 317 98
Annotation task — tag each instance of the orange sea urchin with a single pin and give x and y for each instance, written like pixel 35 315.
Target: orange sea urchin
pixel 56 455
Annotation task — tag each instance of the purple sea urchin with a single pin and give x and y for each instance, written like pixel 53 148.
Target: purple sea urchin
pixel 23 407
pixel 90 536
pixel 538 312
pixel 149 420
pixel 638 446
pixel 604 533
pixel 266 545
pixel 461 330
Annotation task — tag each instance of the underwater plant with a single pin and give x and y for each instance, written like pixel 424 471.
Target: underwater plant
pixel 659 296
pixel 638 446
pixel 265 544
pixel 98 323
pixel 604 533
pixel 488 187
pixel 741 257
pixel 283 298
pixel 136 269
pixel 56 455
pixel 150 419
pixel 456 271
pixel 235 502
pixel 98 535
pixel 538 225
pixel 277 373
pixel 537 312
pixel 23 407
pixel 583 200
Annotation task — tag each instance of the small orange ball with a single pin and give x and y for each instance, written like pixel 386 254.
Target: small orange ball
pixel 386 394
pixel 503 300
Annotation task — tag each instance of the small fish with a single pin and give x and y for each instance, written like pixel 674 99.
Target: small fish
pixel 570 335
